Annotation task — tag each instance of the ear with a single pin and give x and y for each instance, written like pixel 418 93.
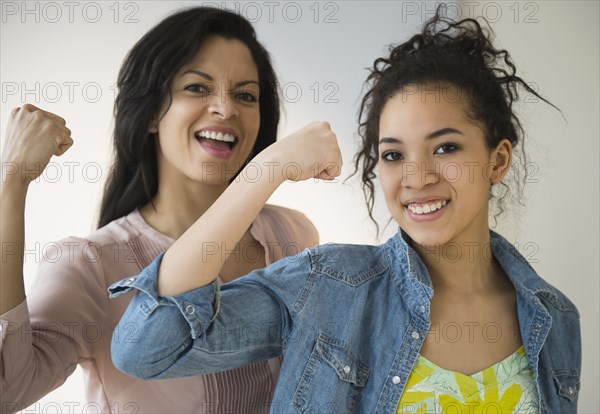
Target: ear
pixel 153 129
pixel 500 161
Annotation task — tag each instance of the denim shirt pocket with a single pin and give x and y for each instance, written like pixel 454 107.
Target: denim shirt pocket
pixel 332 378
pixel 567 384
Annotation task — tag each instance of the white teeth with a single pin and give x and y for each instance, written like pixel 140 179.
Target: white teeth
pixel 426 208
pixel 217 136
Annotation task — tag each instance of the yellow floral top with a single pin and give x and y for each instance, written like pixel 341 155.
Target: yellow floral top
pixel 506 387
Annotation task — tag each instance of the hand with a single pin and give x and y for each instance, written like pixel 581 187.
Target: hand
pixel 32 137
pixel 311 152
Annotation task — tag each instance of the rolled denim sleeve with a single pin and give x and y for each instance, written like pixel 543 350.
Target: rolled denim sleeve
pixel 204 330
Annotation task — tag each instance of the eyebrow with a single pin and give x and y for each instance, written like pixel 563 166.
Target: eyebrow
pixel 210 78
pixel 433 135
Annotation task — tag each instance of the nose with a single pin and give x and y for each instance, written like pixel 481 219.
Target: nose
pixel 223 106
pixel 419 174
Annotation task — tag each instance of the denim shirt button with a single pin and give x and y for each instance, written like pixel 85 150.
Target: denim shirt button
pixel 415 335
pixel 396 380
pixel 346 369
pixel 571 391
pixel 422 309
pixel 189 309
pixel 129 281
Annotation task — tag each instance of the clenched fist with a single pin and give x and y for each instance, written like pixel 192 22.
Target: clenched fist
pixel 313 151
pixel 32 137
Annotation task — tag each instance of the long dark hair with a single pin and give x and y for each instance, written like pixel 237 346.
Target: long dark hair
pixel 144 84
pixel 460 54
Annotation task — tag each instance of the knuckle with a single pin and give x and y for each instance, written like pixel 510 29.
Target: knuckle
pixel 29 107
pixel 323 124
pixel 38 115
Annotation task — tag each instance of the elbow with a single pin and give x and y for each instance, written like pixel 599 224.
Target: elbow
pixel 151 355
pixel 139 356
pixel 131 359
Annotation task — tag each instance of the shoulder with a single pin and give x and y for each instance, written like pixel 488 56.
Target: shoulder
pixel 91 248
pixel 111 252
pixel 553 297
pixel 280 224
pixel 350 263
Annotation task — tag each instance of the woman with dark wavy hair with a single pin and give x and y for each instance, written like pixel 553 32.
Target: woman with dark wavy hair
pixel 197 100
pixel 446 316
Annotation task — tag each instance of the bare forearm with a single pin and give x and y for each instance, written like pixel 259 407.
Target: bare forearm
pixel 197 256
pixel 12 237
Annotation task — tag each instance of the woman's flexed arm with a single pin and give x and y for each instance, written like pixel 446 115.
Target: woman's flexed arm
pixel 32 137
pixel 311 152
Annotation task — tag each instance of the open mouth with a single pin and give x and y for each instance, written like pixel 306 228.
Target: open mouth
pixel 426 208
pixel 217 140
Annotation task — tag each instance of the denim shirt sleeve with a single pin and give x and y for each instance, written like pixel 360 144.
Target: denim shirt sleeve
pixel 200 331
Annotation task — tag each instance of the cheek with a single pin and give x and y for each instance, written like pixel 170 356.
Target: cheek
pixel 454 172
pixel 180 114
pixel 390 184
pixel 250 123
pixel 254 121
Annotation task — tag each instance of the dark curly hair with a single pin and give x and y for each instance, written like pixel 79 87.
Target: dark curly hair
pixel 457 53
pixel 144 84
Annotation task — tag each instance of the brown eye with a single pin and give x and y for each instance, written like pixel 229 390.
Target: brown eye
pixel 196 88
pixel 246 97
pixel 391 156
pixel 446 148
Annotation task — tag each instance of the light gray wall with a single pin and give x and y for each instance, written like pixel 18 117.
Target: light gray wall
pixel 61 55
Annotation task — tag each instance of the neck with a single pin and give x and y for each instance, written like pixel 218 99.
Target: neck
pixel 463 266
pixel 177 207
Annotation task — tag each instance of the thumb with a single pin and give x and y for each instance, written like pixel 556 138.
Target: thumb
pixel 63 146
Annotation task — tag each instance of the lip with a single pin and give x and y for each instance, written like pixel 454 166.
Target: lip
pixel 214 149
pixel 427 216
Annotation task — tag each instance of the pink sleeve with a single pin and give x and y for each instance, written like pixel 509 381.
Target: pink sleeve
pixel 61 323
pixel 304 232
pixel 285 232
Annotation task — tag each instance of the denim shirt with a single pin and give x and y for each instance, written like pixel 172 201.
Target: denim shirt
pixel 349 319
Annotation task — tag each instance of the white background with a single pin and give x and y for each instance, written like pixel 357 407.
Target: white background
pixel 64 57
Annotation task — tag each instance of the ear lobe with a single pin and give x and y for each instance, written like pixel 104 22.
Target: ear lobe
pixel 501 159
pixel 153 129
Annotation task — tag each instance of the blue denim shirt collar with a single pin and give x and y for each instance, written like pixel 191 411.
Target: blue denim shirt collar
pixel 519 271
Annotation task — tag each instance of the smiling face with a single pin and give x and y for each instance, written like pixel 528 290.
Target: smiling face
pixel 436 168
pixel 212 121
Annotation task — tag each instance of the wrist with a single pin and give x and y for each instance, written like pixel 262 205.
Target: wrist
pixel 13 186
pixel 266 168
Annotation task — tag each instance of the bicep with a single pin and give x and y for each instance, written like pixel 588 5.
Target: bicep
pixel 49 334
pixel 201 331
pixel 248 327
